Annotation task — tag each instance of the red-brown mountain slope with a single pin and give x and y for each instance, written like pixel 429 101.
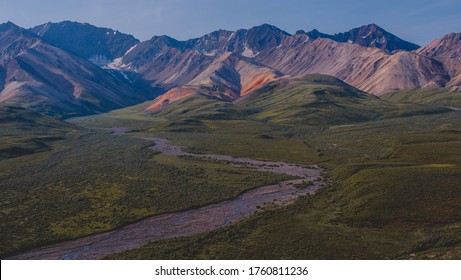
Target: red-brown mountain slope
pixel 448 51
pixel 229 77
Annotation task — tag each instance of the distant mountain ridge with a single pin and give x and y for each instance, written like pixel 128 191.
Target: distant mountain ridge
pixel 98 45
pixel 36 74
pixel 361 57
pixel 370 35
pixel 223 64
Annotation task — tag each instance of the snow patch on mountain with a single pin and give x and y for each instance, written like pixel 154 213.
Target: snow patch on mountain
pixel 249 52
pixel 118 64
pixel 40 33
pixel 130 49
pixel 369 33
pixel 231 36
pixel 208 53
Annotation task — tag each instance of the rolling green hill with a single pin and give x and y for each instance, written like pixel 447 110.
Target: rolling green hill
pixel 426 96
pixel 312 100
pixel 25 132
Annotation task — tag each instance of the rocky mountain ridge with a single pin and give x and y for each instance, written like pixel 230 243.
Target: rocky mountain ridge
pixel 36 74
pixel 98 45
pixel 222 64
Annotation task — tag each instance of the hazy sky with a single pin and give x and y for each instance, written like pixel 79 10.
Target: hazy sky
pixel 418 21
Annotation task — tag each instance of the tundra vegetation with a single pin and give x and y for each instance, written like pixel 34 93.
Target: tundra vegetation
pixel 394 164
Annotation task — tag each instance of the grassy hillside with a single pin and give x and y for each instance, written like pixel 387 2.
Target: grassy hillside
pixel 312 100
pixel 427 96
pixel 25 132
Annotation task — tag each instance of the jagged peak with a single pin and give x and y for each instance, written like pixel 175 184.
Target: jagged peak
pixel 452 36
pixel 266 26
pixel 372 35
pixel 9 26
pixel 315 33
pixel 166 39
pixel 373 26
pixel 11 29
pixel 75 24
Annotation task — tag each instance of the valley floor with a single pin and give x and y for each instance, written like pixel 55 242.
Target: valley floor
pixel 190 222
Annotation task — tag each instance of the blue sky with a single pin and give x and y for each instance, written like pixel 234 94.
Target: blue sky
pixel 418 21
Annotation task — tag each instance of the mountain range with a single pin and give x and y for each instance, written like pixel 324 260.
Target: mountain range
pixel 69 68
pixel 37 74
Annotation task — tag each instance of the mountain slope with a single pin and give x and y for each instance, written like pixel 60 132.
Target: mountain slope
pixel 98 45
pixel 447 50
pixel 53 81
pixel 166 61
pixel 235 73
pixel 368 69
pixel 229 77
